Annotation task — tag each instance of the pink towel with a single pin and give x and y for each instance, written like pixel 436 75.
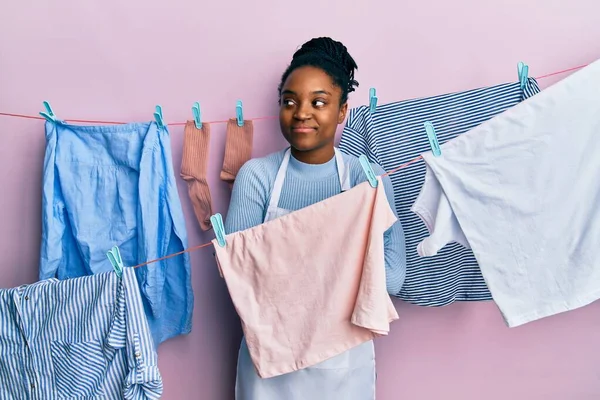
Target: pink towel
pixel 311 284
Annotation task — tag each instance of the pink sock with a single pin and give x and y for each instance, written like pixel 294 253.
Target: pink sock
pixel 238 149
pixel 193 170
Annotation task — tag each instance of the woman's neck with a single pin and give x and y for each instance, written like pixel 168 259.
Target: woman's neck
pixel 315 156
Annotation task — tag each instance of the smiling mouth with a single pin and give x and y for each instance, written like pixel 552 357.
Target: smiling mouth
pixel 303 129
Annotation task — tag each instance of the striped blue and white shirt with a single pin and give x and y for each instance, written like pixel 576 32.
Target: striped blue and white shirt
pixel 82 338
pixel 393 135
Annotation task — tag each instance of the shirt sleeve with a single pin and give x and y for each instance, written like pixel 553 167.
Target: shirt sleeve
pixel 394 242
pixel 249 197
pixel 143 379
pixel 53 212
pixel 434 209
pixel 354 141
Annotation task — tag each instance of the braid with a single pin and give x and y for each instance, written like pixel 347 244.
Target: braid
pixel 332 57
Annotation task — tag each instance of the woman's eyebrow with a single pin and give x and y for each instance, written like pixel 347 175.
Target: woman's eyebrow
pixel 320 91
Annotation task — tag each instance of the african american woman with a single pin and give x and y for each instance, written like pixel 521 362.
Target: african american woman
pixel 313 98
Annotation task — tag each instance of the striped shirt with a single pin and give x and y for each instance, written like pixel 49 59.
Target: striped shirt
pixel 394 135
pixel 80 338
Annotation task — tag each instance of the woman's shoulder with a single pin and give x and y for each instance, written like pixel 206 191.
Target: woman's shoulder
pixel 261 168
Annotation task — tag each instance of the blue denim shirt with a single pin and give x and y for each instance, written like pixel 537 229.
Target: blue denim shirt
pixel 114 185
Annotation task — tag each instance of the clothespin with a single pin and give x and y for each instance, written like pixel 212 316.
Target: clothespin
pixel 372 100
pixel 523 70
pixel 219 229
pixel 433 141
pixel 49 114
pixel 366 166
pixel 158 116
pixel 114 256
pixel 196 112
pixel 239 113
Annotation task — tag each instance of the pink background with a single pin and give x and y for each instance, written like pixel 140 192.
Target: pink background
pixel 114 60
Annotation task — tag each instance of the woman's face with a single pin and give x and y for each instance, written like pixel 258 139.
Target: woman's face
pixel 310 110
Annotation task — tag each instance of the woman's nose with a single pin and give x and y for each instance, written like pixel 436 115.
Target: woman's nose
pixel 303 111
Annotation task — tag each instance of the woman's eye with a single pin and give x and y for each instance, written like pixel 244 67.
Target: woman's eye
pixel 288 102
pixel 319 103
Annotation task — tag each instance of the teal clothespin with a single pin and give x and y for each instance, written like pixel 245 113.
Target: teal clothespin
pixel 239 113
pixel 114 256
pixel 433 141
pixel 523 70
pixel 49 114
pixel 158 116
pixel 372 100
pixel 366 166
pixel 196 112
pixel 219 229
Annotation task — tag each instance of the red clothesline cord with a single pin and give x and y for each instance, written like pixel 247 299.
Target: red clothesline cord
pixel 561 71
pixel 200 246
pixel 85 121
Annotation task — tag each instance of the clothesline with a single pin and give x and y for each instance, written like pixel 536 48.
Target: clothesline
pixel 25 116
pixel 200 246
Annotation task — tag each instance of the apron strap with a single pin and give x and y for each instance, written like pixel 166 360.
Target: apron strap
pixel 343 172
pixel 343 175
pixel 278 185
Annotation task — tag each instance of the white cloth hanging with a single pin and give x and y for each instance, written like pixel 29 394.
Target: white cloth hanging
pixel 523 191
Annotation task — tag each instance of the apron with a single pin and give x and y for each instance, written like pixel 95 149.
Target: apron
pixel 347 376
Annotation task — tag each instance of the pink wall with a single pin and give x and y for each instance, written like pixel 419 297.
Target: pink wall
pixel 115 60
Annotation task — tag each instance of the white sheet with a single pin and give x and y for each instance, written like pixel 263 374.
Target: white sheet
pixel 523 191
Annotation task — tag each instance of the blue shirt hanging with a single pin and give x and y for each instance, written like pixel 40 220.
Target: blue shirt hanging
pixel 80 338
pixel 106 186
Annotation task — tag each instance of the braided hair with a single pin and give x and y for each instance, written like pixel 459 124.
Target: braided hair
pixel 330 56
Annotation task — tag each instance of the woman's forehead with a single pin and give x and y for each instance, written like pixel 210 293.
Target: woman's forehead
pixel 310 79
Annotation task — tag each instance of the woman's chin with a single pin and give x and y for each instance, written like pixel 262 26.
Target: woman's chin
pixel 302 149
pixel 303 145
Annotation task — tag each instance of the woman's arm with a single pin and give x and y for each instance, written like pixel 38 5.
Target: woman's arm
pixel 248 197
pixel 395 246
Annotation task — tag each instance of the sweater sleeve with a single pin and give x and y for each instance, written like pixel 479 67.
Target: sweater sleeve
pixel 395 246
pixel 248 198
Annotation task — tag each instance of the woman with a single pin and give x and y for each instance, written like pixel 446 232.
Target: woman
pixel 313 100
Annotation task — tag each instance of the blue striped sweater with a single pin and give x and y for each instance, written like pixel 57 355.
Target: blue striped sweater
pixel 304 185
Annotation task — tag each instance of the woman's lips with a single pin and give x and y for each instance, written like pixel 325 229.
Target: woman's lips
pixel 303 129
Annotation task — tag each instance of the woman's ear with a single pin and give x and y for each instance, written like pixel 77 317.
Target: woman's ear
pixel 342 114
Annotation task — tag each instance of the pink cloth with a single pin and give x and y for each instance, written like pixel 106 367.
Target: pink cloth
pixel 311 284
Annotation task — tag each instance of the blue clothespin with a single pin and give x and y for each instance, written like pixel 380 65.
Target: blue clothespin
pixel 49 114
pixel 239 113
pixel 196 112
pixel 523 70
pixel 372 100
pixel 114 256
pixel 158 116
pixel 219 229
pixel 366 166
pixel 433 141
